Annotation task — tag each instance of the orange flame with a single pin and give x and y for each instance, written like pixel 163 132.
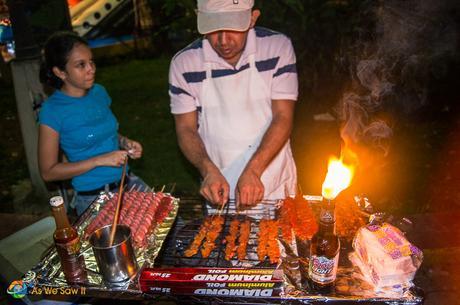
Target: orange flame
pixel 338 178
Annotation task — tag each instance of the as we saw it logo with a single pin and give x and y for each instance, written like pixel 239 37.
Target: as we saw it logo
pixel 17 289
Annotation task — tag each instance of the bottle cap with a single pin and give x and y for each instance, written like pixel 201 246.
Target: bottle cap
pixel 56 201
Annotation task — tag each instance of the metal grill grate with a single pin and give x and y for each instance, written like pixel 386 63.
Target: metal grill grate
pixel 185 232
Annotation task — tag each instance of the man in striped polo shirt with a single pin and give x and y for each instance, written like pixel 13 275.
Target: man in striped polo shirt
pixel 233 95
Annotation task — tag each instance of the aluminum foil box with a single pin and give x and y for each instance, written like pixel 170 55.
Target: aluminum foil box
pixel 212 282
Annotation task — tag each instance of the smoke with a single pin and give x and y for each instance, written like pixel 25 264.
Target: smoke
pixel 414 44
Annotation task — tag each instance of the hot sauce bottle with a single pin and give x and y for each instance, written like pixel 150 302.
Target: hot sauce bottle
pixel 67 244
pixel 324 251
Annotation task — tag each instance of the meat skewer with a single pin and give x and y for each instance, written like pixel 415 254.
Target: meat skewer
pixel 231 239
pixel 273 250
pixel 211 235
pixel 243 238
pixel 198 239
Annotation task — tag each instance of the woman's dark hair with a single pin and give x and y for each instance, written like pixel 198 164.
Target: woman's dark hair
pixel 56 54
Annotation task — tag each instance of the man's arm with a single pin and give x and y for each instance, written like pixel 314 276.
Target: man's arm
pixel 249 189
pixel 214 187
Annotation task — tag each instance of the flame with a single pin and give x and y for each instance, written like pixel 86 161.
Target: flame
pixel 338 178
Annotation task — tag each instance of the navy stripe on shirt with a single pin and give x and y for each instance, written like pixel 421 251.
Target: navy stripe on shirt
pixel 177 90
pixel 194 77
pixel 225 72
pixel 266 65
pixel 264 32
pixel 199 76
pixel 286 69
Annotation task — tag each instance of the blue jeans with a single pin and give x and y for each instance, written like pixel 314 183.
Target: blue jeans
pixel 81 202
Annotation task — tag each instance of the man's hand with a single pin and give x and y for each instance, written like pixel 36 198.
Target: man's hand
pixel 215 188
pixel 249 189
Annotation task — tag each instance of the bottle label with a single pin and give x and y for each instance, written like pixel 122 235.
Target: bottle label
pixel 70 248
pixel 327 216
pixel 322 269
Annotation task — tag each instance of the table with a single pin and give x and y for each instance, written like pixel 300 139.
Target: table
pixel 189 211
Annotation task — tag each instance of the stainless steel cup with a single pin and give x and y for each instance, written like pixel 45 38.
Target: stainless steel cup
pixel 117 263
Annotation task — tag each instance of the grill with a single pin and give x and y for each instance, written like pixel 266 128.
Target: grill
pixel 186 230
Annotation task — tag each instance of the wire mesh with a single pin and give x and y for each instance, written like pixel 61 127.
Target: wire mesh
pixel 185 233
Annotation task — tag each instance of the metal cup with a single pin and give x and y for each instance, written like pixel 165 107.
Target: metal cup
pixel 117 263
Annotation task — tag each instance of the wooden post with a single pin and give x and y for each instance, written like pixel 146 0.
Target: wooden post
pixel 25 74
pixel 29 94
pixel 27 88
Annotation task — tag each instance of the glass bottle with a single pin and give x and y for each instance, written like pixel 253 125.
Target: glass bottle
pixel 324 250
pixel 67 244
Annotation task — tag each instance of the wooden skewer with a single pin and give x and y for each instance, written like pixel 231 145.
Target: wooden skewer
pixel 220 210
pixel 117 211
pixel 172 188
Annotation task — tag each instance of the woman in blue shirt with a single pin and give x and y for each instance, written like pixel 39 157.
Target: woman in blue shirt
pixel 77 118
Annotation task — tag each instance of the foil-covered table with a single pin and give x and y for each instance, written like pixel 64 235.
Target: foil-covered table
pixel 48 272
pixel 165 247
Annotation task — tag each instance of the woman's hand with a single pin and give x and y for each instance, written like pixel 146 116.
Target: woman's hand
pixel 133 148
pixel 115 158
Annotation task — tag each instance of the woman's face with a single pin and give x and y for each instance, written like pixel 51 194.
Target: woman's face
pixel 80 71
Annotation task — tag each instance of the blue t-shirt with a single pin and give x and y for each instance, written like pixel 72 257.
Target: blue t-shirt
pixel 87 128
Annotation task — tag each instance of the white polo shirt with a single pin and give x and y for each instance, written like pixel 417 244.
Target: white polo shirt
pixel 274 58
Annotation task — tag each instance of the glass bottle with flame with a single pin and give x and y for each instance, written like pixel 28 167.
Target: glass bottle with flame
pixel 325 244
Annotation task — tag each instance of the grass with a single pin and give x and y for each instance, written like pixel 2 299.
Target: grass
pixel 140 101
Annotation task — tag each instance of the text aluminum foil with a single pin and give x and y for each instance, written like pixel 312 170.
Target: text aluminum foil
pixel 48 272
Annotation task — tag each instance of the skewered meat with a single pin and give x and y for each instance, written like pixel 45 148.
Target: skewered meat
pixel 262 250
pixel 243 238
pixel 198 239
pixel 268 241
pixel 273 250
pixel 297 215
pixel 348 219
pixel 306 221
pixel 211 235
pixel 230 239
pixel 141 211
pixel 286 213
pixel 207 234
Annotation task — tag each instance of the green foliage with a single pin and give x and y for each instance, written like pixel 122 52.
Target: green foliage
pixel 321 32
pixel 140 101
pixel 174 23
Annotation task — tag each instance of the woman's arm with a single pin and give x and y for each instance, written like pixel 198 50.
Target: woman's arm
pixel 48 158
